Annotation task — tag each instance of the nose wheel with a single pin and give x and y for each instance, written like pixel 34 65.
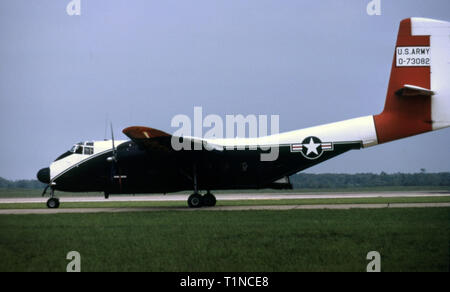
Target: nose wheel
pixel 53 203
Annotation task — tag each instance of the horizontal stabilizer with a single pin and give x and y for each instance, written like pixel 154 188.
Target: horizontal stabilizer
pixel 283 183
pixel 412 90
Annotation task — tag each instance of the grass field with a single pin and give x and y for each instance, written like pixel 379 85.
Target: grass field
pixel 297 240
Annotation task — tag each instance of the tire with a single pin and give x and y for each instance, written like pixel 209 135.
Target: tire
pixel 209 200
pixel 195 201
pixel 53 203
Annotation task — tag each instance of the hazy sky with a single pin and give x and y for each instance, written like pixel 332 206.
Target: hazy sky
pixel 142 62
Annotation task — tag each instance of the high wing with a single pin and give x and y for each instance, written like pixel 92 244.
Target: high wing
pixel 151 139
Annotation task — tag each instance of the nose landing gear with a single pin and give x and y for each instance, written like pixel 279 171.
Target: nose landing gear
pixel 53 202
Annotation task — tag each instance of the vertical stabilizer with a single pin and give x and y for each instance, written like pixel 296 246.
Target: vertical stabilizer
pixel 418 96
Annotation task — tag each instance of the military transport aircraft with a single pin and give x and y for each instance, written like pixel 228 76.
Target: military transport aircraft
pixel 418 101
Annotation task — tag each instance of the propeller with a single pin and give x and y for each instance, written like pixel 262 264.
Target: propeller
pixel 115 169
pixel 113 147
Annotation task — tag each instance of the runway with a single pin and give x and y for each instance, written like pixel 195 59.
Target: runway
pixel 229 197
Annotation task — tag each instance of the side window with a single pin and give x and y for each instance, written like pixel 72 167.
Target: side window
pixel 88 150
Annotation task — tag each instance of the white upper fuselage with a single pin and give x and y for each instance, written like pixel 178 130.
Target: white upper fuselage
pixel 358 129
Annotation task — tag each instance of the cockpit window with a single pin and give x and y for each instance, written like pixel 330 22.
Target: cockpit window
pixel 73 149
pixel 79 150
pixel 88 150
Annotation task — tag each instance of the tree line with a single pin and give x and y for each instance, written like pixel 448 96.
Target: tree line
pixel 21 184
pixel 317 181
pixel 333 180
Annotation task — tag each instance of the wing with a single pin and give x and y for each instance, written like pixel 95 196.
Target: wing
pixel 155 140
pixel 149 139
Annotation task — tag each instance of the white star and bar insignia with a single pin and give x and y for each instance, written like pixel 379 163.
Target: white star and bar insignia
pixel 312 147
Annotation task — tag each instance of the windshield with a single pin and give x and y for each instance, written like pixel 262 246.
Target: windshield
pixel 77 149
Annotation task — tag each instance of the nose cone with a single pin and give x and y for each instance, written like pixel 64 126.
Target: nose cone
pixel 43 175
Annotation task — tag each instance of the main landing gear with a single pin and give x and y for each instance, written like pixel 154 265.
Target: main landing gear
pixel 197 201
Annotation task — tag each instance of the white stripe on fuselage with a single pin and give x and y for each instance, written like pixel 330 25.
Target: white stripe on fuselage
pixel 59 167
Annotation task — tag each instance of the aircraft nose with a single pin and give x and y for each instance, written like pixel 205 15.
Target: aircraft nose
pixel 43 175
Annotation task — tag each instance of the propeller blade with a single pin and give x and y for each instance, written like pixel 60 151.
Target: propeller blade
pixel 115 169
pixel 116 174
pixel 113 146
pixel 120 180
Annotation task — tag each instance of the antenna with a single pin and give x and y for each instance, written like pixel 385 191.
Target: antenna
pixel 106 127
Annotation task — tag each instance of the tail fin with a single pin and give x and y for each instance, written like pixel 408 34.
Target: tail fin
pixel 418 96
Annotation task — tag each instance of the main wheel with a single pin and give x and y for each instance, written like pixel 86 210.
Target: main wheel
pixel 195 201
pixel 53 203
pixel 209 200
